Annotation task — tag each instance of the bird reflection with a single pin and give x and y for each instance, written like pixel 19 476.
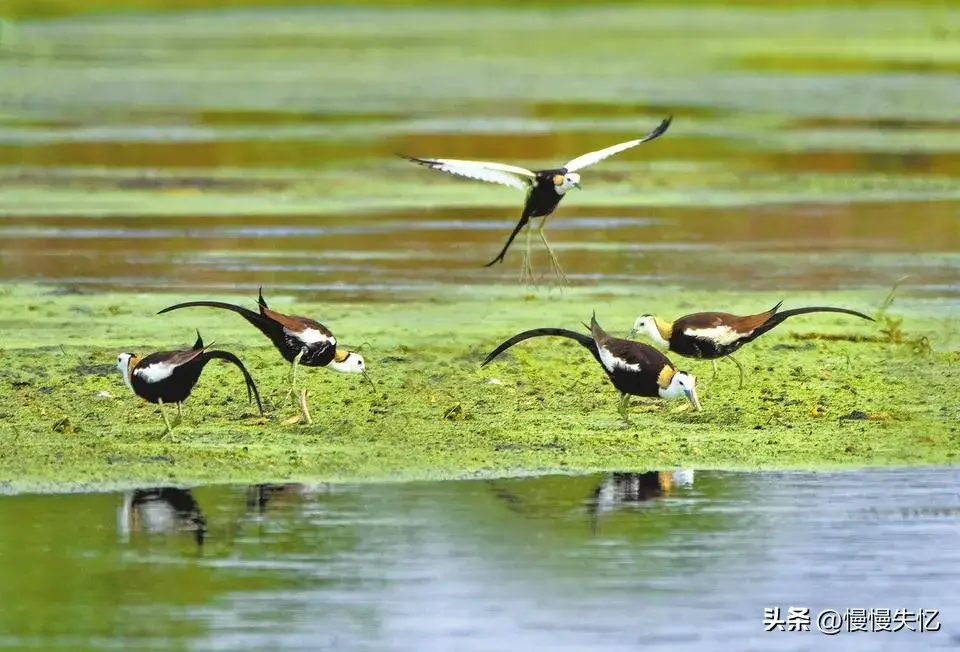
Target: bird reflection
pixel 618 489
pixel 260 495
pixel 162 509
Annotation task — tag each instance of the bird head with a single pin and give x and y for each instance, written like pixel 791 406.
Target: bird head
pixel 351 362
pixel 124 364
pixel 683 384
pixel 651 327
pixel 564 182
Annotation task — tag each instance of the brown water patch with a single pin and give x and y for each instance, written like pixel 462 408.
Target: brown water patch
pixel 145 181
pixel 838 64
pixel 219 153
pixel 878 124
pixel 890 162
pixel 642 111
pixel 813 246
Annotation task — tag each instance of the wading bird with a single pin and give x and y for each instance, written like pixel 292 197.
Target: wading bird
pixel 170 376
pixel 635 369
pixel 712 335
pixel 300 340
pixel 544 188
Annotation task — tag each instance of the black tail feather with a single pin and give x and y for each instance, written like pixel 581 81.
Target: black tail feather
pixel 584 340
pixel 229 357
pixel 260 300
pixel 779 317
pixel 266 326
pixel 503 252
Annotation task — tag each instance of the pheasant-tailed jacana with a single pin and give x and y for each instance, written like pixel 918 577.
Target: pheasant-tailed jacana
pixel 634 368
pixel 712 335
pixel 170 376
pixel 300 340
pixel 544 188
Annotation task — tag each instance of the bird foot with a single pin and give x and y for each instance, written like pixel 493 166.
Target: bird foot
pixel 526 275
pixel 648 408
pixel 304 416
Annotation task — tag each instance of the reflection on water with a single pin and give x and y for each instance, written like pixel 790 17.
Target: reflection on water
pixel 660 560
pixel 164 509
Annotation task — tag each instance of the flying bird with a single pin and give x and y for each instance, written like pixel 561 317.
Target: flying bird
pixel 544 188
pixel 170 376
pixel 713 335
pixel 635 369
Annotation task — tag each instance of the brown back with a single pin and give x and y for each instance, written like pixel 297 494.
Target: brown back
pixel 741 324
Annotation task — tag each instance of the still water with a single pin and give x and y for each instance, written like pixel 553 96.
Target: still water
pixel 674 560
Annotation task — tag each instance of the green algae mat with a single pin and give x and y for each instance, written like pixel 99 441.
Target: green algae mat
pixel 821 390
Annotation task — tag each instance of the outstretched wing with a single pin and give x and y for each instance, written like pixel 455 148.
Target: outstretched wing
pixel 507 175
pixel 590 158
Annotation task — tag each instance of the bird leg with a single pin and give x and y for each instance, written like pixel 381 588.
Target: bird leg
pixel 736 362
pixel 293 376
pixel 304 410
pixel 166 421
pixel 622 408
pixel 526 271
pixel 179 417
pixel 553 258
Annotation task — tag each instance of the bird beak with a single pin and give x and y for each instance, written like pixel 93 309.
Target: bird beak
pixel 367 378
pixel 633 332
pixel 692 395
pixel 578 186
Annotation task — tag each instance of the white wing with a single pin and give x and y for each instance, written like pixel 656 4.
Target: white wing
pixel 311 336
pixel 590 158
pixel 155 372
pixel 507 175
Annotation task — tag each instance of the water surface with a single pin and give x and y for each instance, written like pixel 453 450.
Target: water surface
pixel 664 561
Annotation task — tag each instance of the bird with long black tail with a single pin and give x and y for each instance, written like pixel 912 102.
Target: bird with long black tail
pixel 168 377
pixel 634 368
pixel 300 340
pixel 713 335
pixel 544 188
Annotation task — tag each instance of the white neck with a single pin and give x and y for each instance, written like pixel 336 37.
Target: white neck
pixel 127 371
pixel 673 391
pixel 654 333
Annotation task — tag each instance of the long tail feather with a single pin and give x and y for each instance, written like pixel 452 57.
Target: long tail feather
pixel 263 324
pixel 503 252
pixel 229 357
pixel 584 340
pixel 779 317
